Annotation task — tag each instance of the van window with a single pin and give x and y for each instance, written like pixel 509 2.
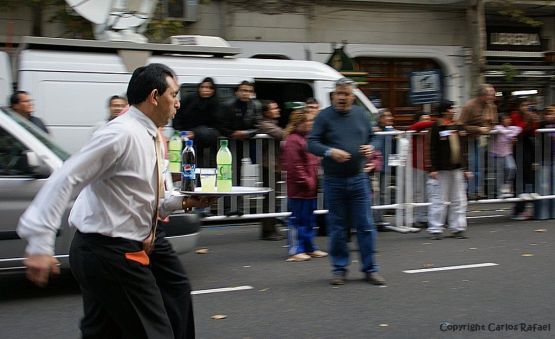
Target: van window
pixel 39 134
pixel 13 161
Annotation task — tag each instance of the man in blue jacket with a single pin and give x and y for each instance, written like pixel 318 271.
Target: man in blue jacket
pixel 341 135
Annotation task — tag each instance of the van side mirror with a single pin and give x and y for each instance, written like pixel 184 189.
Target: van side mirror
pixel 38 167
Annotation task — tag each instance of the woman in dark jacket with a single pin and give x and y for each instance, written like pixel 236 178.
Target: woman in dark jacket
pixel 198 116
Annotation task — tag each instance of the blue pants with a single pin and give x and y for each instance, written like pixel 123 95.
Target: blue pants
pixel 348 199
pixel 300 238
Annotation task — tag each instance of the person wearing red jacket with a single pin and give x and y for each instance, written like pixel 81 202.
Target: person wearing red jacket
pixel 302 188
pixel 421 165
pixel 524 155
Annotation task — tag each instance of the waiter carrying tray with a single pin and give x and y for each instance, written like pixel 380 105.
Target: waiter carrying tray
pixel 132 282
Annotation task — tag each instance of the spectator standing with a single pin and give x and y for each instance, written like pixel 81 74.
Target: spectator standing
pixel 385 144
pixel 525 151
pixel 341 134
pixel 312 107
pixel 502 152
pixel 478 117
pixel 198 115
pixel 269 125
pixel 421 164
pixel 302 188
pixel 22 103
pixel 116 107
pixel 241 115
pixel 448 169
pixel 133 283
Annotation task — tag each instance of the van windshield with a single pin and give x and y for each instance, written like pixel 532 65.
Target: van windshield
pixel 39 134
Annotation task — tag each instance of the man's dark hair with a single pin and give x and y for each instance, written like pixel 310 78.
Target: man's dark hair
pixel 266 105
pixel 115 97
pixel 444 105
pixel 244 83
pixel 145 79
pixel 14 98
pixel 311 101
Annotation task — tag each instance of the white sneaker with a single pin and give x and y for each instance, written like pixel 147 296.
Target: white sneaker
pixel 534 196
pixel 298 257
pixel 525 196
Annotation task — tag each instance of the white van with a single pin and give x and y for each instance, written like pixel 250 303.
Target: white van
pixel 71 80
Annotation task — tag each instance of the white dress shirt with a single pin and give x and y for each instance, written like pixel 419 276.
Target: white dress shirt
pixel 116 177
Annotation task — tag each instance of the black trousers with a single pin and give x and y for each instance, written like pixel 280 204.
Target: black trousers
pixel 124 298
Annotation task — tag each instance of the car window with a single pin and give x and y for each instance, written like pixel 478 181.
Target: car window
pixel 39 134
pixel 13 161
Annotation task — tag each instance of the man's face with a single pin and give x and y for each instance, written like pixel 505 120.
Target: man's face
pixel 24 106
pixel 206 90
pixel 117 106
pixel 386 118
pixel 245 92
pixel 168 103
pixel 343 97
pixel 273 111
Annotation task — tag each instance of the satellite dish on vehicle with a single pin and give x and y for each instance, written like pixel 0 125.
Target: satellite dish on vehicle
pixel 96 11
pixel 116 20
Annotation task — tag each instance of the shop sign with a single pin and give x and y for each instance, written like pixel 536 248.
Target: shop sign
pixel 425 87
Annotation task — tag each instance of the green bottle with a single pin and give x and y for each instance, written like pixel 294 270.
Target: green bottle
pixel 175 146
pixel 224 160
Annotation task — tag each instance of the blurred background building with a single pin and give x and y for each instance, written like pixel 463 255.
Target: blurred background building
pixel 383 44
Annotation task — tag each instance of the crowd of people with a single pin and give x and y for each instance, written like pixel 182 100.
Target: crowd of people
pixel 115 240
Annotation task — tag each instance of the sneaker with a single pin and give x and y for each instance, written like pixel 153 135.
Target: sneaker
pixel 318 254
pixel 374 278
pixel 337 280
pixel 436 236
pixel 534 196
pixel 298 257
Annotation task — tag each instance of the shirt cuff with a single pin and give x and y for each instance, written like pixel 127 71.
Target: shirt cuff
pixel 170 204
pixel 41 244
pixel 327 153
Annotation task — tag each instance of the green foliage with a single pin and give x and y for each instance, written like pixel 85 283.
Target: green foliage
pixel 511 10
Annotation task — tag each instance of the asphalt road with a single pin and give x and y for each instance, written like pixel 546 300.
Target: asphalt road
pixel 294 300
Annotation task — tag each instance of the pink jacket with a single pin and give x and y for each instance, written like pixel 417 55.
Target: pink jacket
pixel 301 167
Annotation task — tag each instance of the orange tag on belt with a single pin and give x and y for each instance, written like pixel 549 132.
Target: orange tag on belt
pixel 139 257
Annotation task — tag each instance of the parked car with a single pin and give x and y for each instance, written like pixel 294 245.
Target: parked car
pixel 27 158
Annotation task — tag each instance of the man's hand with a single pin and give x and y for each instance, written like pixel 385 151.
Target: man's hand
pixel 239 135
pixel 190 134
pixel 366 150
pixel 198 202
pixel 339 155
pixel 40 266
pixel 484 130
pixel 468 175
pixel 369 167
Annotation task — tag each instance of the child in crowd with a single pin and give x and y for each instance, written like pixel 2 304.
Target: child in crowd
pixel 302 187
pixel 503 153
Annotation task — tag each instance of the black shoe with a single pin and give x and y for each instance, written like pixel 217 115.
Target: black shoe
pixel 337 280
pixel 374 278
pixel 420 224
pixel 436 236
pixel 459 235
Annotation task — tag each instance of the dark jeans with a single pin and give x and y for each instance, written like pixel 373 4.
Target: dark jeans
pixel 348 199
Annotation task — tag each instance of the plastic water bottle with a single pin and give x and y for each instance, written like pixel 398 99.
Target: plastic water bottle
pixel 175 147
pixel 249 173
pixel 224 159
pixel 189 164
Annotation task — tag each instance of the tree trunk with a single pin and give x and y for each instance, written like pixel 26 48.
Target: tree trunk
pixel 36 17
pixel 477 27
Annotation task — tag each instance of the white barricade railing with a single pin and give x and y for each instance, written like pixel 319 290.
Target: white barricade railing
pixel 401 184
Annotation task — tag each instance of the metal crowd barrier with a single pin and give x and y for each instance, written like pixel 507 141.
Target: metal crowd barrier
pixel 400 187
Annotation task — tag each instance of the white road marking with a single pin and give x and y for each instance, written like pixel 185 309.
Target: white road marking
pixel 449 268
pixel 225 289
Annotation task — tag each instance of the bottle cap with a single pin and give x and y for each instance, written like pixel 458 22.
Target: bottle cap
pixel 223 143
pixel 189 142
pixel 183 133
